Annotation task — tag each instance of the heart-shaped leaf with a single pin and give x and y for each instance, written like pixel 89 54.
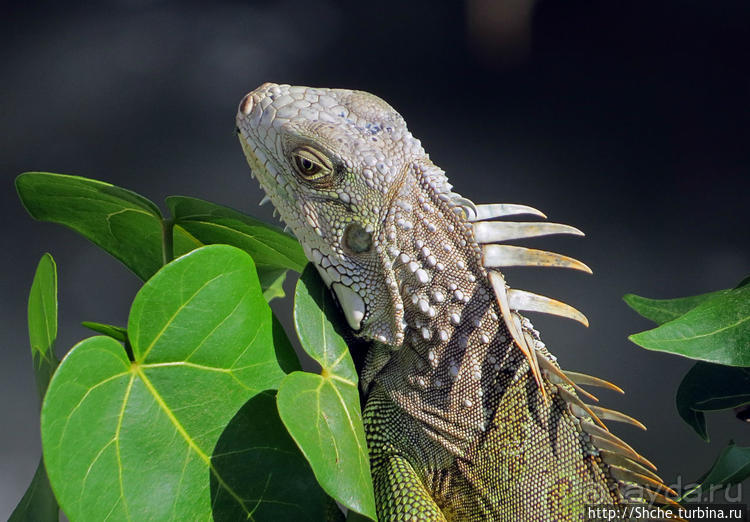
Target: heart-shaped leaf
pixel 717 330
pixel 123 223
pixel 322 412
pixel 133 440
pixel 661 311
pixel 256 454
pixel 711 387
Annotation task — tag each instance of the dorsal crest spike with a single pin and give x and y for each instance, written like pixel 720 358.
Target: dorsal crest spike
pixel 530 302
pixel 498 285
pixel 497 210
pixel 627 475
pixel 617 459
pixel 498 231
pixel 577 403
pixel 554 372
pixel 616 416
pixel 509 255
pixel 590 380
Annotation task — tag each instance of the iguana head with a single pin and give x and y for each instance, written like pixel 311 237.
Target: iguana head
pixel 333 162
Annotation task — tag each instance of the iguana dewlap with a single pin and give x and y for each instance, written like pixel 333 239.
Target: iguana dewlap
pixel 468 416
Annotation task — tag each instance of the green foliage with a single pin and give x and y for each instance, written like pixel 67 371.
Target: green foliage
pixel 123 223
pixel 42 319
pixel 210 223
pixel 328 429
pixel 716 330
pixel 117 333
pixel 711 387
pixel 256 440
pixel 133 230
pixel 662 311
pixel 732 466
pixel 712 327
pixel 273 250
pixel 120 436
pixel 38 503
pixel 176 416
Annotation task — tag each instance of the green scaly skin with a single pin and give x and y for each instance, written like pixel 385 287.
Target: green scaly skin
pixel 457 424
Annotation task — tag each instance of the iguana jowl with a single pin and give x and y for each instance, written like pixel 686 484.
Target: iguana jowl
pixel 467 416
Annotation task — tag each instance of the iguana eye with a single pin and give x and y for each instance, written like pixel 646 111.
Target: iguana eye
pixel 310 164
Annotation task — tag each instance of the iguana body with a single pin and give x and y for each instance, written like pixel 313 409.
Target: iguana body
pixel 468 416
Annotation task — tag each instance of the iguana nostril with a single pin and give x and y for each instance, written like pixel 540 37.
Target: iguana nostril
pixel 246 105
pixel 357 239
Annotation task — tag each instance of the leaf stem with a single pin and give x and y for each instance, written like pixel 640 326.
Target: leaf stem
pixel 167 240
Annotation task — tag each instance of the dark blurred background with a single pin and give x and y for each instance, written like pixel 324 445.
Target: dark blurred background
pixel 628 119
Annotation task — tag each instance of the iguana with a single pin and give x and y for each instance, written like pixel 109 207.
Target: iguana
pixel 468 416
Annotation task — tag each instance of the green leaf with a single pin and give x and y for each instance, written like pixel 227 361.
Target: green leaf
pixel 272 282
pixel 115 332
pixel 273 250
pixel 38 504
pixel 42 319
pixel 731 467
pixel 256 454
pixel 133 440
pixel 211 223
pixel 126 225
pixel 717 330
pixel 661 311
pixel 322 412
pixel 711 387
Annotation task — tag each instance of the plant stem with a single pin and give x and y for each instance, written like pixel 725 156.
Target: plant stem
pixel 167 242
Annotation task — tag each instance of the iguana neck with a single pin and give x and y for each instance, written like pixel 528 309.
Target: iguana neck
pixel 454 343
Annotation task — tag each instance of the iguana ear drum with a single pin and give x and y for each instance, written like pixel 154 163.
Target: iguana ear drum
pixel 357 239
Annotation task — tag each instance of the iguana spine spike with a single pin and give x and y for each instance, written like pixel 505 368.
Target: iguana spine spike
pixel 606 444
pixel 575 402
pixel 590 380
pixel 498 285
pixel 466 204
pixel 531 302
pixel 498 231
pixel 626 475
pixel 617 459
pixel 599 435
pixel 657 498
pixel 613 415
pixel 534 360
pixel 496 210
pixel 509 255
pixel 556 376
